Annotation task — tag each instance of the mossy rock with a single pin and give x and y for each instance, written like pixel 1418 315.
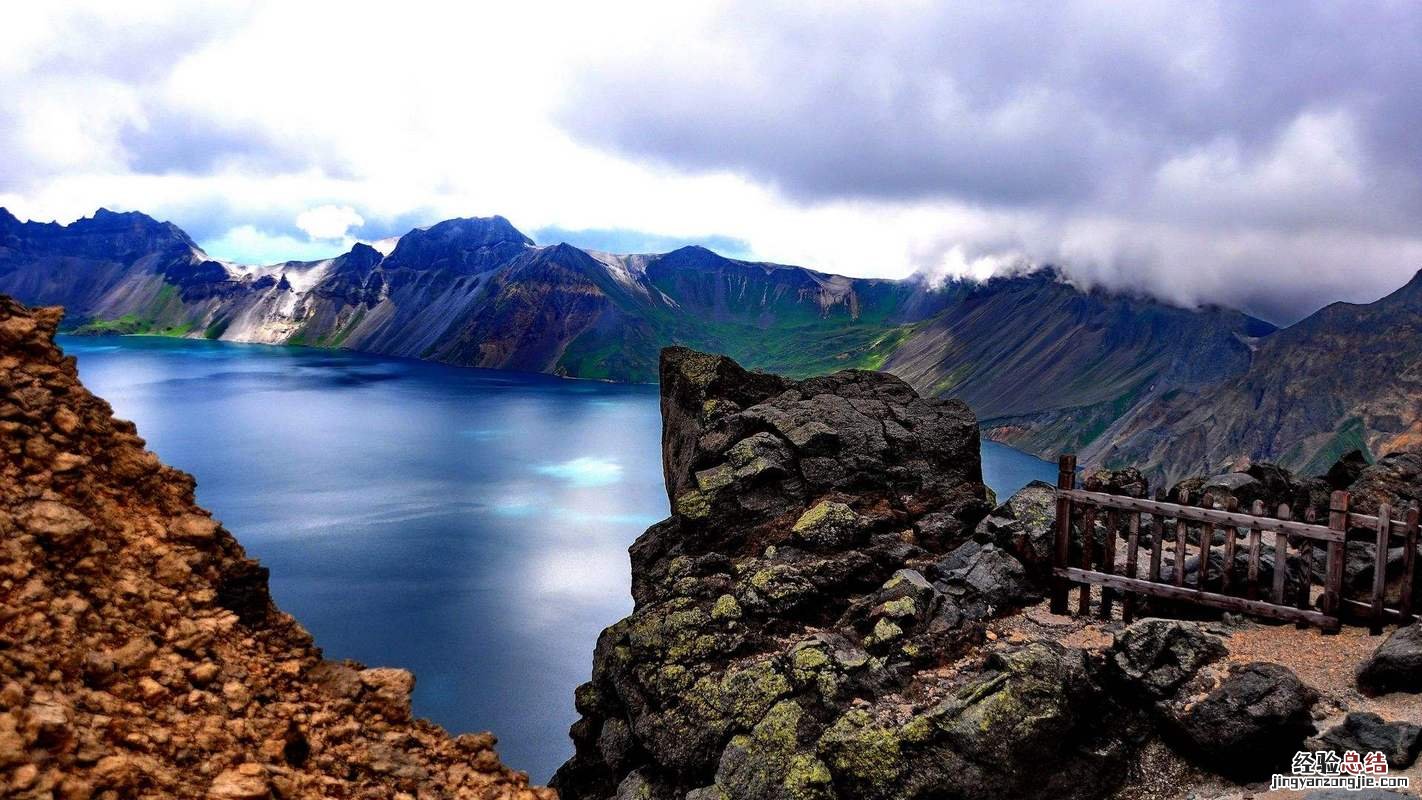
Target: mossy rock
pixel 862 754
pixel 717 477
pixel 747 694
pixel 694 505
pixel 812 667
pixel 780 588
pixel 676 631
pixel 885 632
pixel 726 608
pixel 1024 704
pixel 773 761
pixel 827 525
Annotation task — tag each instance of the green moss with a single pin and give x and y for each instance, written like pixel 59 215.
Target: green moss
pixel 673 632
pixel 825 513
pixel 861 751
pixel 693 505
pixel 810 659
pixel 1024 700
pixel 587 699
pixel 709 480
pixel 897 609
pixel 747 694
pixel 916 731
pixel 726 608
pixel 811 667
pixel 884 631
pixel 806 777
pixel 761 579
pixel 673 679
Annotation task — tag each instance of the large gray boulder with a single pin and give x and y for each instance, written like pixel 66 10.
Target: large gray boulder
pixel 1025 526
pixel 1252 724
pixel 1395 479
pixel 1033 724
pixel 1396 666
pixel 1156 657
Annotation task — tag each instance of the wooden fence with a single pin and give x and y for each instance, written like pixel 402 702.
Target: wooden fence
pixel 1263 542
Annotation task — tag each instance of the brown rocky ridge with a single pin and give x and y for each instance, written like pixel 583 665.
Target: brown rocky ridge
pixel 140 653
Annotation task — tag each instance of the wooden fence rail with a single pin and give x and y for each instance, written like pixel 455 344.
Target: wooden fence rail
pixel 1180 529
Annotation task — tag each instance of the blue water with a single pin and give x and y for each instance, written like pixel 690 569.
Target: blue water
pixel 469 525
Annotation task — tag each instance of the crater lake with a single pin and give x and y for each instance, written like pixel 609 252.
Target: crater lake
pixel 469 525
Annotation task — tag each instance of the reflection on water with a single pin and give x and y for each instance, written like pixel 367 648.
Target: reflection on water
pixel 469 525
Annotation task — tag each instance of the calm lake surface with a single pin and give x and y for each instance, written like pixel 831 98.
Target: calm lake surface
pixel 469 525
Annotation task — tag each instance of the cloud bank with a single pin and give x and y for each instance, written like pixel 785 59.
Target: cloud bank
pixel 1261 156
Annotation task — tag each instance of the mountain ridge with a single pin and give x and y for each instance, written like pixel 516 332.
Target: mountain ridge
pixel 1049 366
pixel 1347 377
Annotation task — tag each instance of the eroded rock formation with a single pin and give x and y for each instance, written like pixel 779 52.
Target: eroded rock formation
pixel 811 622
pixel 140 654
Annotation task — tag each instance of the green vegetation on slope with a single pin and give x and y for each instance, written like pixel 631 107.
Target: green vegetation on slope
pixel 1349 437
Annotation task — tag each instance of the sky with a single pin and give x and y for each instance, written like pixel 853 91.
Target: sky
pixel 1262 156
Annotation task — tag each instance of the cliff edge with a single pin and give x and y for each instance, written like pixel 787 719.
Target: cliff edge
pixel 832 611
pixel 140 653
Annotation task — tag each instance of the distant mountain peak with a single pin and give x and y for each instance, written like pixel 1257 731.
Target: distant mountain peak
pixel 564 250
pixel 475 231
pixel 107 216
pixel 470 244
pixel 694 255
pixel 363 254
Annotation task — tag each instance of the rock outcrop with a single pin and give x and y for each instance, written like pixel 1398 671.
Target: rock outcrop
pixel 811 623
pixel 140 653
pixel 806 563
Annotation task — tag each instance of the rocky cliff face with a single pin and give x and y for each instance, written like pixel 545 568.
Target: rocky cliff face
pixel 1348 377
pixel 1051 369
pixel 140 654
pixel 812 622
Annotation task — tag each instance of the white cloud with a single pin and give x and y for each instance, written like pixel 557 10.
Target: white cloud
pixel 328 222
pixel 245 244
pixel 1203 155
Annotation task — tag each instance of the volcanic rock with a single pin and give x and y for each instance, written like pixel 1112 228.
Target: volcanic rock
pixel 141 653
pixel 1396 666
pixel 1366 732
pixel 1250 725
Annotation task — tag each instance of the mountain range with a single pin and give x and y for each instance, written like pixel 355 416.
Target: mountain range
pixel 1047 366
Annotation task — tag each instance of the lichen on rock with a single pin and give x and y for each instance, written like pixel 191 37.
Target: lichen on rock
pixel 791 589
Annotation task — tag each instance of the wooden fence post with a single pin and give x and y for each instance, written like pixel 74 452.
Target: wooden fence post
pixel 1108 559
pixel 1231 533
pixel 1133 543
pixel 1256 542
pixel 1066 481
pixel 1088 541
pixel 1181 525
pixel 1281 555
pixel 1337 551
pixel 1409 564
pixel 1375 611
